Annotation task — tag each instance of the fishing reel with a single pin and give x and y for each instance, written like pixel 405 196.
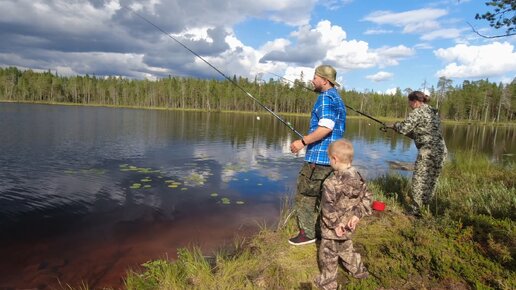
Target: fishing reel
pixel 384 128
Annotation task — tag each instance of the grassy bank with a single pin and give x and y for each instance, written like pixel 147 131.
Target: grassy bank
pixel 468 242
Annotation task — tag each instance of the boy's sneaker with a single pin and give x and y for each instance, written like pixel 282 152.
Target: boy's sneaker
pixel 301 239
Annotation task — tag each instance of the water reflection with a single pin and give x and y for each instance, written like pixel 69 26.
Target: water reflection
pixel 104 180
pixel 60 157
pixel 497 142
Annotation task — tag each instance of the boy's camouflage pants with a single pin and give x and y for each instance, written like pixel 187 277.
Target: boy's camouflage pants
pixel 328 257
pixel 308 197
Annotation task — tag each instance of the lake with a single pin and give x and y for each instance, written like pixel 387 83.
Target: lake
pixel 87 192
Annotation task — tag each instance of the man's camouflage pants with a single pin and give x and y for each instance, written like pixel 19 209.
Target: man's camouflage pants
pixel 308 196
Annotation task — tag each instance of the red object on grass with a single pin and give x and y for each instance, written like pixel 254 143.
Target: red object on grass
pixel 378 205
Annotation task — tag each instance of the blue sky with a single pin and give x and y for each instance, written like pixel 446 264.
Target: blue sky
pixel 374 45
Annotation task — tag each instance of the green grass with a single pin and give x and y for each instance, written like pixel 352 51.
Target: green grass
pixel 466 241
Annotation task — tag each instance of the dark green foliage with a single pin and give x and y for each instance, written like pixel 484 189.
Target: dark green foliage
pixel 473 101
pixel 502 16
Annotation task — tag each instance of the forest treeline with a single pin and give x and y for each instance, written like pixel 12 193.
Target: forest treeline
pixel 472 100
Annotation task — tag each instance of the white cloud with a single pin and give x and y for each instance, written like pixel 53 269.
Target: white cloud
pixel 449 33
pixel 399 51
pixel 413 21
pixel 380 76
pixel 326 43
pixel 295 73
pixel 465 61
pixel 99 37
pixel 332 35
pixel 423 45
pixel 390 56
pixel 391 91
pixel 352 54
pixel 335 4
pixel 227 12
pixel 377 31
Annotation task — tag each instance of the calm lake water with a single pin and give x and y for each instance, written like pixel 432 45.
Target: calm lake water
pixel 87 192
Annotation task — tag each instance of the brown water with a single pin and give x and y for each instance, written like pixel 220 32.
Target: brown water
pixel 71 212
pixel 100 255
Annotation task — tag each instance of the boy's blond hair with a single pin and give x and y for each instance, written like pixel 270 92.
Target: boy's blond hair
pixel 343 149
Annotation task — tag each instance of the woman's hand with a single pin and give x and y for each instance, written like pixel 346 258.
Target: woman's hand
pixel 389 125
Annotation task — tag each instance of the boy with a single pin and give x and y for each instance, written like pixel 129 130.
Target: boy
pixel 345 200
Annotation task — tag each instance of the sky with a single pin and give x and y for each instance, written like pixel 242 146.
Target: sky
pixel 374 45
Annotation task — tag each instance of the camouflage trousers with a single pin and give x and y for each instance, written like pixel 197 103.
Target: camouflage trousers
pixel 328 257
pixel 428 167
pixel 308 197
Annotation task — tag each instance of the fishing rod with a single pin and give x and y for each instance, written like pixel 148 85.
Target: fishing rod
pixel 384 126
pixel 220 72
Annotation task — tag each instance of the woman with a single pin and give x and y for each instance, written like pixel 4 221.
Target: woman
pixel 423 125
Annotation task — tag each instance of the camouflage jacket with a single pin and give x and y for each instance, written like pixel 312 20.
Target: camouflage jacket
pixel 423 125
pixel 345 194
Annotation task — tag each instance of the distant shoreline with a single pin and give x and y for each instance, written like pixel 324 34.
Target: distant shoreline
pixel 349 116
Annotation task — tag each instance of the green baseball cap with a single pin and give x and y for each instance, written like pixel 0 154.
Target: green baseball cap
pixel 327 72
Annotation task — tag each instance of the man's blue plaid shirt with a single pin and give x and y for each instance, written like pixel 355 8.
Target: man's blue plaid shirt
pixel 330 108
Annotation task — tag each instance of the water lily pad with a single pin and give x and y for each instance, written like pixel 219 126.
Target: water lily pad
pixel 146 180
pixel 184 188
pixel 239 202
pixel 147 186
pixel 225 200
pixel 97 171
pixel 135 186
pixel 195 178
pixel 214 194
pixel 173 185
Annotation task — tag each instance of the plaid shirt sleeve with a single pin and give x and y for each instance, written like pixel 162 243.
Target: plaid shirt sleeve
pixel 326 109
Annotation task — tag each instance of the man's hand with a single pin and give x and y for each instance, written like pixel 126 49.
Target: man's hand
pixel 296 146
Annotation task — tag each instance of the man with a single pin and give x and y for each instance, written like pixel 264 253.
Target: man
pixel 327 124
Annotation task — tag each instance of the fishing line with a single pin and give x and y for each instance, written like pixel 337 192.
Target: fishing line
pixel 217 70
pixel 384 126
